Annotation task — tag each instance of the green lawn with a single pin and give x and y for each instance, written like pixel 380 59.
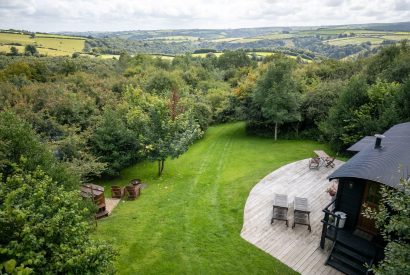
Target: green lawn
pixel 189 220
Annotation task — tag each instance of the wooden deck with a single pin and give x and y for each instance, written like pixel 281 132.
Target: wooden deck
pixel 110 204
pixel 296 247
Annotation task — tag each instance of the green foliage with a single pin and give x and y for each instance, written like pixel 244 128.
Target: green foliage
pixel 393 219
pixel 401 107
pixel 391 64
pixel 161 82
pixel 317 102
pixel 361 110
pixel 46 228
pixel 14 51
pixel 30 50
pixel 340 128
pixel 233 59
pixel 11 268
pixel 115 142
pixel 19 145
pixel 276 96
pixel 168 129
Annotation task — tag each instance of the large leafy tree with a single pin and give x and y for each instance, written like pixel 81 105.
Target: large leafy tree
pixel 168 126
pixel 44 222
pixel 276 95
pixel 393 219
pixel 114 141
pixel 45 228
pixel 363 109
pixel 18 141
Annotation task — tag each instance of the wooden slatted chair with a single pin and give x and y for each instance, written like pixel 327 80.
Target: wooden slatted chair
pixel 330 162
pixel 280 208
pixel 301 212
pixel 314 163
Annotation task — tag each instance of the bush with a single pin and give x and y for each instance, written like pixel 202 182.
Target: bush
pixel 46 228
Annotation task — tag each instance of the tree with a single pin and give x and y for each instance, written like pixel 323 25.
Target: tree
pixel 233 59
pixel 168 128
pixel 18 142
pixel 361 110
pixel 30 49
pixel 45 229
pixel 393 219
pixel 14 51
pixel 276 95
pixel 338 127
pixel 114 142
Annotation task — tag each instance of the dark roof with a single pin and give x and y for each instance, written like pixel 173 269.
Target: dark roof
pixel 386 165
pixel 361 144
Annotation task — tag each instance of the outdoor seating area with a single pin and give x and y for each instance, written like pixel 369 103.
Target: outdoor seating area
pixel 301 211
pixel 302 192
pixel 321 159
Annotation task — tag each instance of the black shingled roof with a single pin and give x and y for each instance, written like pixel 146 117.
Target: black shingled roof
pixel 386 165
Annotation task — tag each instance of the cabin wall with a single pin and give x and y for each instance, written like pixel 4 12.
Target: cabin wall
pixel 349 199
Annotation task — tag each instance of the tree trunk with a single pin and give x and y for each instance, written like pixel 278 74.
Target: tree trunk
pixel 161 165
pixel 276 131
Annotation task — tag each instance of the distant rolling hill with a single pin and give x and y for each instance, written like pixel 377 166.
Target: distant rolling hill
pixel 314 42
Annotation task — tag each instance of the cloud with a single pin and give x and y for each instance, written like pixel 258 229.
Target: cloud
pixel 401 5
pixel 106 15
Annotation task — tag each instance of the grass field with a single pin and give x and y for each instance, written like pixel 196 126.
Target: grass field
pixel 188 221
pixel 355 41
pixel 51 45
pixel 204 54
pixel 109 56
pixel 45 51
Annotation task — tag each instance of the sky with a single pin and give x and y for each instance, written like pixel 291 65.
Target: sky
pixel 122 15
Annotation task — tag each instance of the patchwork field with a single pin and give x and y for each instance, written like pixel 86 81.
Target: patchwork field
pixel 47 44
pixel 355 41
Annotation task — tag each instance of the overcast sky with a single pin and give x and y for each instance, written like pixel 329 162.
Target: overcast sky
pixel 112 15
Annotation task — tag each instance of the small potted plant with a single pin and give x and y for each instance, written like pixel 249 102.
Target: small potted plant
pixel 332 191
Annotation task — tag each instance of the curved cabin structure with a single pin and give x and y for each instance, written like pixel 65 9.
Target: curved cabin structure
pixel 379 160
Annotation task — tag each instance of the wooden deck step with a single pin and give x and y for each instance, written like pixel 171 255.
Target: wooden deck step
pixel 343 257
pixel 342 267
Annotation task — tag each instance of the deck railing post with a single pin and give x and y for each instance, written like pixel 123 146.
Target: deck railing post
pixel 324 229
pixel 337 226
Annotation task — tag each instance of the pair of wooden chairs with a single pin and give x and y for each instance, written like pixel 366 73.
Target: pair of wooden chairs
pixel 322 158
pixel 301 210
pixel 130 191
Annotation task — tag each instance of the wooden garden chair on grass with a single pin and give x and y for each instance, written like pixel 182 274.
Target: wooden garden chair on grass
pixel 133 192
pixel 280 208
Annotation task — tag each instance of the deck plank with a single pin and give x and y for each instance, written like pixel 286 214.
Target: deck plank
pixel 296 247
